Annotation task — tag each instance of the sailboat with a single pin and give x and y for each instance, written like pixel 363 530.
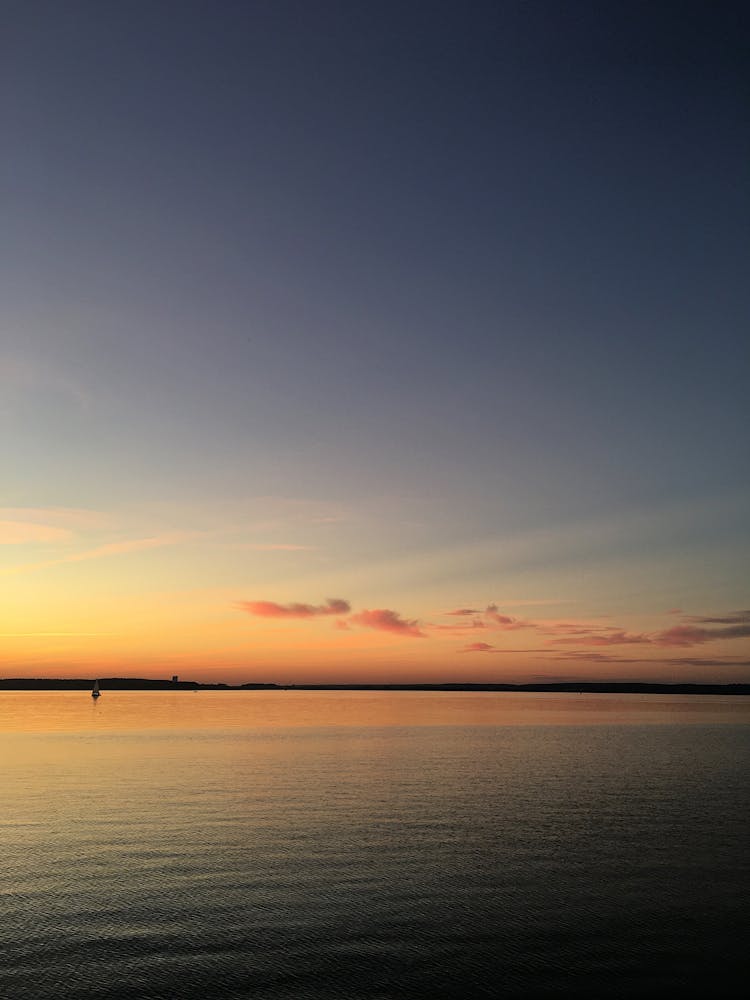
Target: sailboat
pixel 96 692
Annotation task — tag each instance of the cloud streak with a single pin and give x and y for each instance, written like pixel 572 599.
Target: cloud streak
pixel 461 629
pixel 493 618
pixel 270 547
pixel 585 656
pixel 616 638
pixel 64 517
pixel 56 635
pixel 735 618
pixel 270 609
pixel 102 551
pixel 694 635
pixel 693 631
pixel 31 532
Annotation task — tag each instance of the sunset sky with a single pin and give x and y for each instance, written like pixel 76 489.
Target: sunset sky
pixel 374 341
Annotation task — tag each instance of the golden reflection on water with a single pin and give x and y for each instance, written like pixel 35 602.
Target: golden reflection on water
pixel 76 711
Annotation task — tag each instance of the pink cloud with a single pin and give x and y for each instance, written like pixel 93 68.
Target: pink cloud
pixel 505 621
pixel 495 615
pixel 270 609
pixel 682 635
pixel 477 647
pixel 386 620
pixel 458 612
pixel 694 631
pixel 509 624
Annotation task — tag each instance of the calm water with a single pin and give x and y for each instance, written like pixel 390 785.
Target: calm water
pixel 371 845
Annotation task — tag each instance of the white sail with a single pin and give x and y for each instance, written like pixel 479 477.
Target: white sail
pixel 95 692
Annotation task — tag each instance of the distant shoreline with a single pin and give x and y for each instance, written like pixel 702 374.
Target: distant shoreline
pixel 562 687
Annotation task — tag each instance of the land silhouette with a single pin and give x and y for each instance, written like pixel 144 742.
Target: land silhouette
pixel 150 684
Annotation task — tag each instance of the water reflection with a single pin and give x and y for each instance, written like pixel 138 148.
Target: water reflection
pixel 72 711
pixel 283 845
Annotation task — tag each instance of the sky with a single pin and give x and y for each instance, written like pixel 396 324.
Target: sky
pixel 374 341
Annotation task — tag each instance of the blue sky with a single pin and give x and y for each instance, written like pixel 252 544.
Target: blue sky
pixel 446 276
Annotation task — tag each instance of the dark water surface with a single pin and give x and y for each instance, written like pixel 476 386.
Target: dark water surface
pixel 164 845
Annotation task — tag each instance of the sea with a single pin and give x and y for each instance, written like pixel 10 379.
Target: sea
pixel 311 845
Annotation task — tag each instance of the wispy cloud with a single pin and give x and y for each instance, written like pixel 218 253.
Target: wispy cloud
pixel 504 621
pixel 700 661
pixel 103 551
pixel 56 635
pixel 270 547
pixel 697 629
pixel 66 517
pixel 694 630
pixel 492 617
pixel 574 628
pixel 586 656
pixel 386 620
pixel 128 545
pixel 478 647
pixel 270 609
pixel 31 532
pixel 42 525
pixel 536 602
pixel 692 635
pixel 464 629
pixel 615 638
pixel 735 618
